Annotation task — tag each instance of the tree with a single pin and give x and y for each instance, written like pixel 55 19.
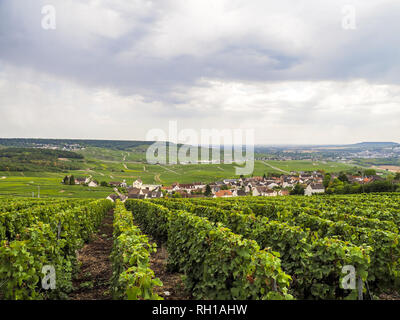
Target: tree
pixel 264 176
pixel 224 187
pixel 337 183
pixel 343 177
pixel 65 180
pixel 104 184
pixel 71 180
pixel 208 191
pixel 327 180
pixel 380 186
pixel 298 189
pixel 397 176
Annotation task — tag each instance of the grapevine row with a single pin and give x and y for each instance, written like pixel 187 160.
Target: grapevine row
pixel 217 263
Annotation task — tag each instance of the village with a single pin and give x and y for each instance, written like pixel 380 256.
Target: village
pixel 256 186
pixel 271 186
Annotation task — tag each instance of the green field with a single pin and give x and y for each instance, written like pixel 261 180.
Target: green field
pixel 50 186
pixel 138 154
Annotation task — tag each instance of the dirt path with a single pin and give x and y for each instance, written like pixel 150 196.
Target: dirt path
pixel 275 168
pixel 92 283
pixel 173 287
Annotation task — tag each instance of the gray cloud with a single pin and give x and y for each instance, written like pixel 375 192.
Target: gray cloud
pixel 198 61
pixel 149 50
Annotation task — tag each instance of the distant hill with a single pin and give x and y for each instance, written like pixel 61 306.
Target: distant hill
pixel 360 145
pixel 38 160
pixel 111 150
pixel 69 143
pixel 127 145
pixel 373 145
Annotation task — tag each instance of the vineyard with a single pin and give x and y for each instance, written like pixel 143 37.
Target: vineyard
pixel 39 233
pixel 228 248
pixel 283 247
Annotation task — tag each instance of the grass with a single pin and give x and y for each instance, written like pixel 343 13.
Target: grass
pixel 50 186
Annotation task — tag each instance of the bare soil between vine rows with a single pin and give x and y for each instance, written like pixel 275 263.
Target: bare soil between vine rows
pixel 93 280
pixel 173 287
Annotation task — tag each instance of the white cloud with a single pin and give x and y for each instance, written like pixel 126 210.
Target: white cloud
pixel 34 104
pixel 280 112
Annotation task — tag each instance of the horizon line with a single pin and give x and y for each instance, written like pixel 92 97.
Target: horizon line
pixel 256 144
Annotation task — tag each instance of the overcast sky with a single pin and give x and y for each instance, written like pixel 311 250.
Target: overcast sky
pixel 114 69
